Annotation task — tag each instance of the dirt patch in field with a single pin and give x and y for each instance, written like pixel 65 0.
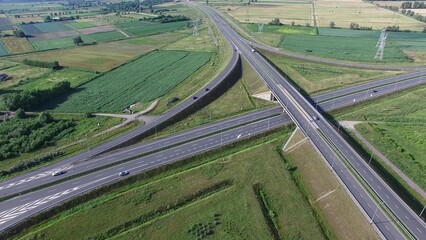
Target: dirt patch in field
pixel 106 28
pixel 417 56
pixel 53 35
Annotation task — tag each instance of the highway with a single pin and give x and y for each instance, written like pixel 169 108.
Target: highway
pixel 222 133
pixel 326 101
pixel 332 146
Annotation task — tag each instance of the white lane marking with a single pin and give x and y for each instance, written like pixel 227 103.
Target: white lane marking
pixel 9 214
pixel 40 175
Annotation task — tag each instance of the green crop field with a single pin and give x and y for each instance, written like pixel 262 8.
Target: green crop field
pixel 343 48
pixel 134 24
pixel 106 36
pixel 144 79
pixel 396 127
pixel 284 29
pixel 58 43
pixel 3 51
pixel 342 32
pixel 155 28
pixel 36 28
pixel 152 208
pixel 80 24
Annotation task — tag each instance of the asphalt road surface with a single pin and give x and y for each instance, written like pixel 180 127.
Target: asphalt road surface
pixel 10 214
pixel 332 146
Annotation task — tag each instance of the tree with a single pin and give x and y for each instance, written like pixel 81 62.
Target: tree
pixel 77 40
pixel 20 113
pixel 424 30
pixel 18 33
pixel 275 21
pixel 45 117
pixel 293 23
pixel 47 19
pixel 332 25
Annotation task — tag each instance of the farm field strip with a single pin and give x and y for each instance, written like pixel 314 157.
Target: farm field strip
pixel 144 79
pixel 155 28
pixel 38 28
pixel 106 36
pixel 58 43
pixel 17 45
pixel 3 51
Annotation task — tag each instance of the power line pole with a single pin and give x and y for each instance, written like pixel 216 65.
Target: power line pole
pixel 195 25
pixel 260 27
pixel 381 43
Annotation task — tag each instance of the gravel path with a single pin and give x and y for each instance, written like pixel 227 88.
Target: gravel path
pixel 351 125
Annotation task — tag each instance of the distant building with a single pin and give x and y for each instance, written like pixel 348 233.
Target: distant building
pixel 3 77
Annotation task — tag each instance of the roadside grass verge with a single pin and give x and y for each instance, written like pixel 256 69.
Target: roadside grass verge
pixel 395 125
pixel 242 164
pixel 326 194
pixel 238 95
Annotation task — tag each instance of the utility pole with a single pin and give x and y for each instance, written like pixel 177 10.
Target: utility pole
pixel 381 44
pixel 260 27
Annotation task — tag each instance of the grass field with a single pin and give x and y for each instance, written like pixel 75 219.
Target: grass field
pixel 341 215
pixel 396 126
pixel 287 12
pixel 3 51
pixel 58 43
pixel 343 12
pixel 353 49
pixel 236 206
pixel 106 36
pixel 17 45
pixel 316 77
pixel 155 28
pixel 75 77
pixel 202 42
pixel 239 95
pixel 144 79
pixel 22 72
pixel 105 56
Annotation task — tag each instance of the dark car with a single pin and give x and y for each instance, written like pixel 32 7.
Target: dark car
pixel 123 173
pixel 194 97
pixel 207 89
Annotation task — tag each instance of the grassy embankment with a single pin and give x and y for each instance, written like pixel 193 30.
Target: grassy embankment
pixel 218 187
pixel 395 126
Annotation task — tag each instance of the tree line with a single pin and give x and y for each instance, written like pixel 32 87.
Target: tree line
pixel 52 65
pixel 30 100
pixel 22 134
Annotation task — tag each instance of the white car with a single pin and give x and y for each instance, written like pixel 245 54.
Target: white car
pixel 57 173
